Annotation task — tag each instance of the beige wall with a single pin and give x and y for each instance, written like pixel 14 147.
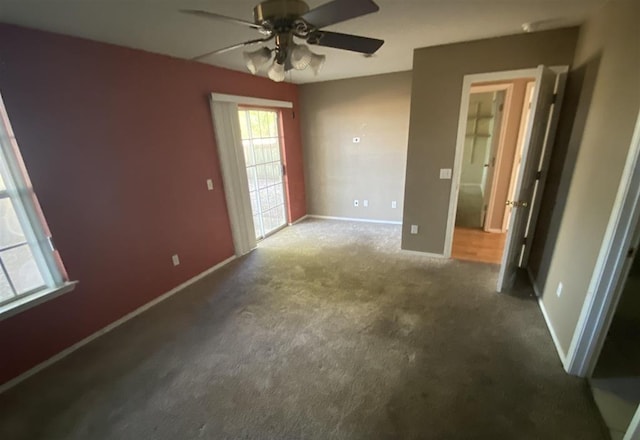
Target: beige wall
pixel 337 171
pixel 611 36
pixel 438 73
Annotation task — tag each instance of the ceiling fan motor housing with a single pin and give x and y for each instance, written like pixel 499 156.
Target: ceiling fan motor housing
pixel 279 13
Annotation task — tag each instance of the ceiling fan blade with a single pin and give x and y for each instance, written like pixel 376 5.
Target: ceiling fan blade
pixel 353 43
pixel 235 46
pixel 214 16
pixel 338 11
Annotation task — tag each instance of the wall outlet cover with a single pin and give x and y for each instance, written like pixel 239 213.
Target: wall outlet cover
pixel 365 203
pixel 175 259
pixel 394 204
pixel 414 229
pixel 210 184
pixel 356 140
pixel 445 173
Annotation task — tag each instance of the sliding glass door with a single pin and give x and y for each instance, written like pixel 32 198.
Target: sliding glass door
pixel 261 141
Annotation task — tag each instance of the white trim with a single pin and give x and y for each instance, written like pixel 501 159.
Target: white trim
pixel 467 82
pixel 556 341
pixel 28 301
pixel 351 219
pixel 250 100
pixel 605 287
pixel 423 254
pixel 67 351
pixel 554 336
pixel 304 217
pixel 633 431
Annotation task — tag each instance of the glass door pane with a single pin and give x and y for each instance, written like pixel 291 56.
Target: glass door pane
pixel 261 142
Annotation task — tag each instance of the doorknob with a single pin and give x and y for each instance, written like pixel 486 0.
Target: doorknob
pixel 517 203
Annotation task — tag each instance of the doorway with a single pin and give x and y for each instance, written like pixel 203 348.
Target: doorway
pixel 495 132
pixel 615 382
pixel 537 138
pixel 262 145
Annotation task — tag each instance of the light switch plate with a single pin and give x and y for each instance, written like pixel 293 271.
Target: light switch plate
pixel 210 184
pixel 365 203
pixel 414 229
pixel 175 259
pixel 394 204
pixel 445 173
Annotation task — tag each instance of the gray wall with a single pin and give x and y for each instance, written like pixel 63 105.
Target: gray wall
pixel 337 171
pixel 435 105
pixel 612 37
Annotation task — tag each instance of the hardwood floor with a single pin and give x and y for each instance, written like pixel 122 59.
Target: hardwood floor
pixel 477 245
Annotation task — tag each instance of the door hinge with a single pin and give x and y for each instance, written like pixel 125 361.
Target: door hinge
pixel 524 241
pixel 284 170
pixel 554 98
pixel 501 108
pixel 538 175
pixel 631 252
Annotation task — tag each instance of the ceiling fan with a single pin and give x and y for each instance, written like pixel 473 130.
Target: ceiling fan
pixel 282 20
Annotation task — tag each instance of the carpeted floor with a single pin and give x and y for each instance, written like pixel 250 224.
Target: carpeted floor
pixel 327 331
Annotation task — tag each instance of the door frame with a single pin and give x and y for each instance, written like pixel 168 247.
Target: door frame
pixel 508 89
pixel 611 270
pixel 285 194
pixel 467 82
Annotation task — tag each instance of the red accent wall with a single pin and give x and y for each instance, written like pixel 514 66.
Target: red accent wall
pixel 118 144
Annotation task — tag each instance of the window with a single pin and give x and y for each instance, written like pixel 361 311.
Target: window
pixel 261 143
pixel 30 269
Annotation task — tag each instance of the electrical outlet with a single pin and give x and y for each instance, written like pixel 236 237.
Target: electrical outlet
pixel 356 203
pixel 394 204
pixel 365 203
pixel 210 184
pixel 559 289
pixel 175 259
pixel 414 229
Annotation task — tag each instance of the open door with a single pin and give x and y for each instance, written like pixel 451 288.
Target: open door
pixel 534 145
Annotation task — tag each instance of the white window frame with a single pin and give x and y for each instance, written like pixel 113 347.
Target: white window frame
pixel 20 192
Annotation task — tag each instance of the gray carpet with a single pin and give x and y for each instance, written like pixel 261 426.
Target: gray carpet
pixel 327 331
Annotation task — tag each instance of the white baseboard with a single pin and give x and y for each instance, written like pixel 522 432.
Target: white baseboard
pixel 67 351
pixel 556 341
pixel 352 219
pixel 304 217
pixel 423 254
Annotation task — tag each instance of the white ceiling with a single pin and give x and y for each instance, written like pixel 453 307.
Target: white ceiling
pixel 157 26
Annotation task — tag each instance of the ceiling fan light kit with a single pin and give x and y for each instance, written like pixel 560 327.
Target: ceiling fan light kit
pixel 256 59
pixel 283 20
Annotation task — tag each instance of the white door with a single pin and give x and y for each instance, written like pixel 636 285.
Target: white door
pixel 261 141
pixel 535 138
